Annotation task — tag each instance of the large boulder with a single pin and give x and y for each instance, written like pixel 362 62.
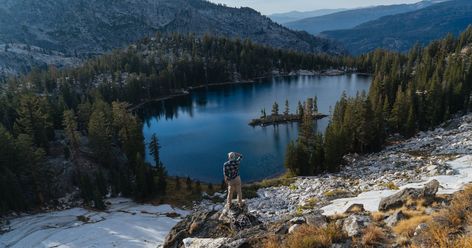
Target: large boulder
pixel 210 228
pixel 394 218
pixel 204 242
pixel 238 218
pixel 398 199
pixel 354 224
pixel 316 220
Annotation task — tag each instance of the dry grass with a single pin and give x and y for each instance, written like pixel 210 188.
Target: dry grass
pixel 308 237
pixel 355 209
pixel 337 216
pixel 407 227
pixel 390 185
pixel 438 236
pixel 418 204
pixel 181 197
pixel 373 235
pixel 250 190
pixel 463 242
pixel 446 228
pixel 335 193
pixel 271 242
pixel 377 216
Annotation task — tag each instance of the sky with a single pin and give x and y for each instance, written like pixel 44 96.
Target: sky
pixel 268 7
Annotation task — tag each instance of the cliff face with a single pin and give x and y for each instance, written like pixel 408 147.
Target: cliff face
pixel 78 29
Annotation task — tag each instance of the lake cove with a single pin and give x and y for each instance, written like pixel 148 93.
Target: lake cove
pixel 196 131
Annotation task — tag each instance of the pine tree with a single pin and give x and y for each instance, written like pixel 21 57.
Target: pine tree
pixel 141 171
pixel 154 149
pixel 315 105
pixel 275 109
pixel 101 183
pixel 263 114
pixel 100 136
pixel 70 128
pixel 98 200
pixel 287 108
pixel 300 111
pixel 86 189
pixel 162 179
pixel 128 128
pixel 34 120
pixel 306 133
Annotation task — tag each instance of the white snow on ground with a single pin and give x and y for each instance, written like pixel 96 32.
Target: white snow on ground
pixel 124 224
pixel 371 199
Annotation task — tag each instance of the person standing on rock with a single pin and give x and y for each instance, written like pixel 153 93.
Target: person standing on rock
pixel 232 178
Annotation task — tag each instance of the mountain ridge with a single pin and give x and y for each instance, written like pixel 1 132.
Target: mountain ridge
pixel 401 32
pixel 295 15
pixel 351 18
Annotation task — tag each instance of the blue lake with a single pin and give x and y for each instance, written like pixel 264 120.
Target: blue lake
pixel 198 130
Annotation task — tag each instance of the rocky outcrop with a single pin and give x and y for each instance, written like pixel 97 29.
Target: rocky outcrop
pixel 398 199
pixel 354 224
pixel 394 218
pixel 215 229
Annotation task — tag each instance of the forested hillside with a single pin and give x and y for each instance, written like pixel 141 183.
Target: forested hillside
pixel 78 119
pixel 410 92
pixel 57 32
pixel 401 32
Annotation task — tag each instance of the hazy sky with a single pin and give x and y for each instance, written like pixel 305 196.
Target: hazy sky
pixel 276 6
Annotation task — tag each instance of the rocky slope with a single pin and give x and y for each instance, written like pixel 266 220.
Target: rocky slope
pixel 79 29
pixel 433 162
pixel 401 32
pixel 341 205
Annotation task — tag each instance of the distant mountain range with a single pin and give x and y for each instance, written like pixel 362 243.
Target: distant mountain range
pixel 400 32
pixel 298 15
pixel 62 32
pixel 351 18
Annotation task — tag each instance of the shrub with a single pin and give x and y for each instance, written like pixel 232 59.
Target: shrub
pixel 313 237
pixel 335 193
pixel 407 227
pixel 373 235
pixel 377 216
pixel 271 242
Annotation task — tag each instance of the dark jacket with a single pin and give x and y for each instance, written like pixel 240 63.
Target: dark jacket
pixel 231 168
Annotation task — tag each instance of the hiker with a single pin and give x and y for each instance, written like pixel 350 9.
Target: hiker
pixel 232 178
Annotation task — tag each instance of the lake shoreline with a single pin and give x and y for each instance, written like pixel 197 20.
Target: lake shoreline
pixel 188 90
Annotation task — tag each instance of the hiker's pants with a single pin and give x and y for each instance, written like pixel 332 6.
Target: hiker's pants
pixel 234 186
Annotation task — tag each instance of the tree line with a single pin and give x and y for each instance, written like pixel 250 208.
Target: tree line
pixel 410 92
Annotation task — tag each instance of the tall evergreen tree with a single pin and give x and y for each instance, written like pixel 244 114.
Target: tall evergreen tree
pixel 154 149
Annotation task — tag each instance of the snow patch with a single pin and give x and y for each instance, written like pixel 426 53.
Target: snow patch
pixel 371 199
pixel 124 224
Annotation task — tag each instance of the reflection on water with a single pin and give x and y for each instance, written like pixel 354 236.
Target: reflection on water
pixel 197 131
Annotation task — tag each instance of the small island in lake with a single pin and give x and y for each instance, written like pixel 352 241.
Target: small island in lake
pixel 309 107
